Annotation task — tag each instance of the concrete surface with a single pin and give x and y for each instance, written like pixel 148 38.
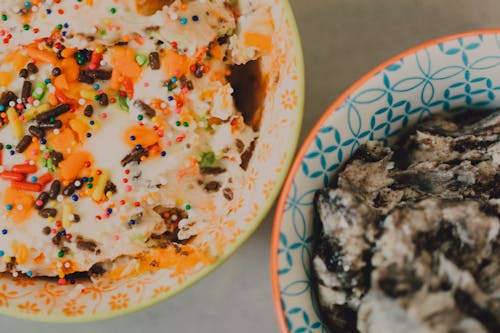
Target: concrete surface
pixel 342 39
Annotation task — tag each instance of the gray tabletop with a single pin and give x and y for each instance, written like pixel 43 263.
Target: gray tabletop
pixel 342 40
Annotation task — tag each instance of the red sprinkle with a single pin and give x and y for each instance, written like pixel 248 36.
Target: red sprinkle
pixel 122 202
pixel 61 282
pixel 98 172
pixel 137 204
pixel 125 180
pixel 58 223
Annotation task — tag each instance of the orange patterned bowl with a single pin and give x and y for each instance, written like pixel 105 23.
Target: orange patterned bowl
pixel 45 300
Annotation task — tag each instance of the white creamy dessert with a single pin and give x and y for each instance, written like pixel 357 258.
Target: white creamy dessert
pixel 121 138
pixel 408 238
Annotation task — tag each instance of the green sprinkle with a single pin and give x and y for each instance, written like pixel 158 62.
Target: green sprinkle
pixel 26 27
pixel 89 185
pixel 188 207
pixel 97 97
pixel 140 117
pixel 177 123
pixel 170 88
pixel 207 159
pixel 4 17
pixel 112 10
pixel 59 27
pixel 39 90
pixel 122 103
pixel 186 124
pixel 60 254
pixel 91 179
pixel 141 59
pixel 8 146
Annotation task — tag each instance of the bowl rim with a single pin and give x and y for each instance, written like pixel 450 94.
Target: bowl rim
pixel 231 250
pixel 280 207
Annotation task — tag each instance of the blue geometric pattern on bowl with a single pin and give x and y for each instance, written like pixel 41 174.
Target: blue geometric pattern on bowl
pixel 458 73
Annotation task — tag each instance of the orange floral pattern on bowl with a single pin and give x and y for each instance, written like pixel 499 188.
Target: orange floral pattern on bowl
pixel 45 300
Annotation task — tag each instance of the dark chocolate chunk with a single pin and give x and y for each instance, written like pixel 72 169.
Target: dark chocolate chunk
pixel 247 155
pixel 86 245
pixel 110 187
pixel 57 157
pixel 8 97
pixel 154 60
pixel 84 78
pixel 98 74
pixel 212 170
pixel 212 186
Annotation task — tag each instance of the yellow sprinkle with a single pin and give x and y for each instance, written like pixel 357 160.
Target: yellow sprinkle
pixel 67 211
pixel 109 194
pixel 180 202
pixel 15 123
pixel 22 254
pixel 98 49
pixel 7 259
pixel 43 16
pixel 87 94
pixel 73 143
pixel 50 219
pixel 106 21
pixel 154 119
pixel 53 204
pixel 99 186
pixel 61 275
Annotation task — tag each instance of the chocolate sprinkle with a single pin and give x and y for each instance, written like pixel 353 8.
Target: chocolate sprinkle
pixel 26 91
pixel 50 124
pixel 24 143
pixel 148 110
pixel 89 111
pixel 48 212
pixel 84 78
pixel 32 68
pixel 53 113
pixel 36 132
pixel 134 156
pixel 55 189
pixel 8 97
pixel 98 74
pixel 103 99
pixel 42 198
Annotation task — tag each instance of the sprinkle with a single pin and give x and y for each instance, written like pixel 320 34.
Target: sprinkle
pixel 74 197
pixel 2 253
pixel 61 281
pixel 60 254
pixel 4 17
pixel 109 211
pixel 188 207
pixel 4 231
pixel 195 18
pixel 128 188
pixel 140 117
pixel 132 138
pixel 163 153
pixel 9 207
pixel 117 237
pixel 29 273
pixel 131 222
pixel 112 10
pixel 184 20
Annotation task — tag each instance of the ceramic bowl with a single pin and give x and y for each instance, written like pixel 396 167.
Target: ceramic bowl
pixel 455 72
pixel 37 299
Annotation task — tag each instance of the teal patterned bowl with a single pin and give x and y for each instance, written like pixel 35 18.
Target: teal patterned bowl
pixel 455 72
